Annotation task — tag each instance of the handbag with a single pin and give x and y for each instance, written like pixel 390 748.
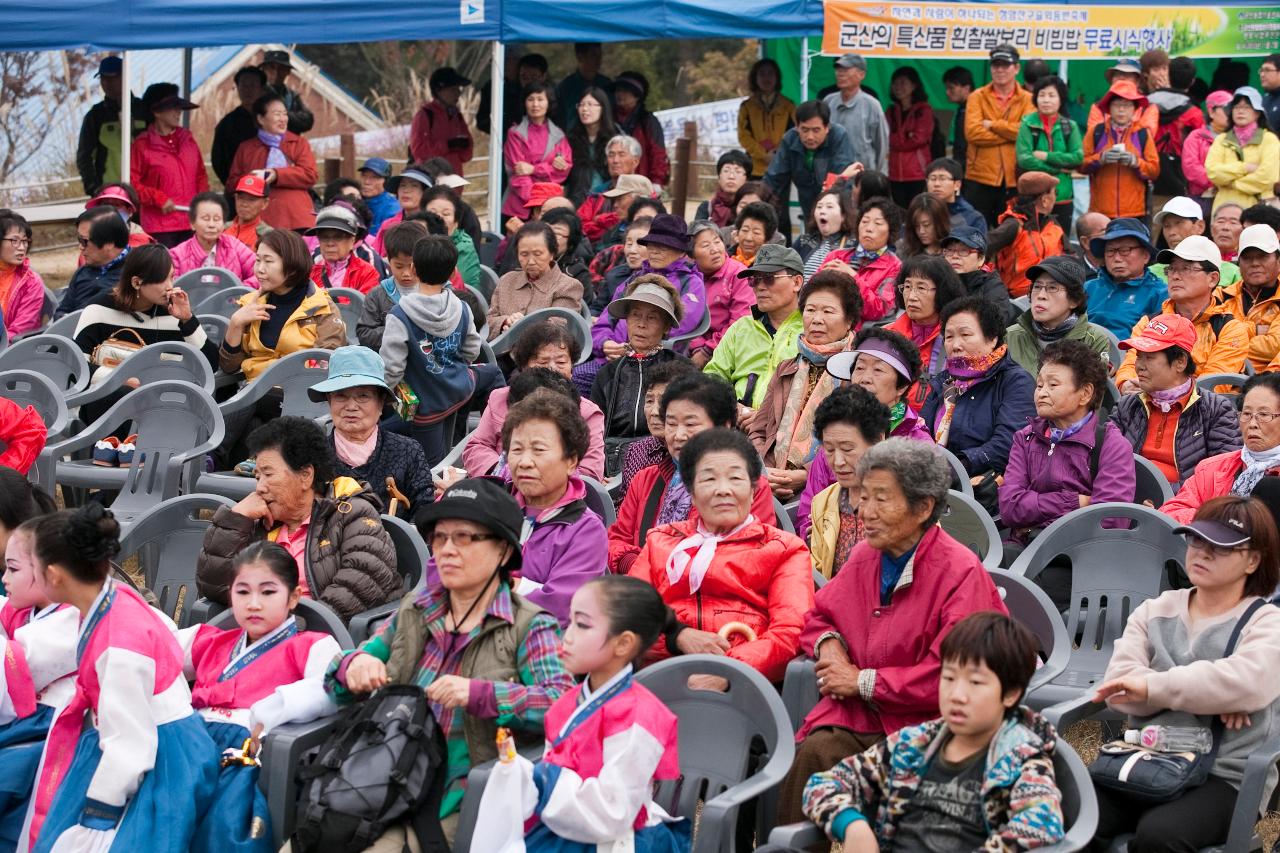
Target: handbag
pixel 1151 776
pixel 116 348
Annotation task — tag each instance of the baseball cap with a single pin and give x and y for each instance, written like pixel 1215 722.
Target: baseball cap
pixel 1126 65
pixel 335 218
pixel 1197 248
pixel 1163 331
pixel 967 235
pixel 110 66
pixel 484 501
pixel 1217 98
pixel 393 184
pixel 252 185
pixel 1261 237
pixel 851 60
pixel 774 257
pixel 1228 533
pixel 443 78
pixel 638 184
pixel 1179 205
pixel 277 57
pixel 541 191
pixel 1005 54
pixel 378 166
pixel 1063 269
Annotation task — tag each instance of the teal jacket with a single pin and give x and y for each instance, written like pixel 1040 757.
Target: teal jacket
pixel 1064 146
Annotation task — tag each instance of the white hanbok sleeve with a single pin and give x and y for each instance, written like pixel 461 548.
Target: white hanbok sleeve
pixel 186 638
pixel 50 646
pixel 126 728
pixel 302 700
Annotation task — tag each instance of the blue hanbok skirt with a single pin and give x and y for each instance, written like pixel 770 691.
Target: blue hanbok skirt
pixel 162 815
pixel 21 743
pixel 663 838
pixel 238 820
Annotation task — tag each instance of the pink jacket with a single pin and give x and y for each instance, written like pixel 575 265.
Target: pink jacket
pixel 728 298
pixel 166 168
pixel 484 447
pixel 875 282
pixel 537 145
pixel 26 300
pixel 228 253
pixel 1194 152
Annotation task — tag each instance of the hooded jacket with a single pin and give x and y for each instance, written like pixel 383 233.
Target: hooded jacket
pixel 1222 342
pixel 1262 319
pixel 986 417
pixel 875 281
pixel 562 548
pixel 991 157
pixel 446 343
pixel 1213 478
pixel 1021 801
pixel 1020 242
pixel 759 575
pixel 748 355
pixel 1118 305
pixel 1227 163
pixel 314 323
pixel 1025 346
pixel 521 149
pixel 350 561
pixel 163 169
pixel 1208 426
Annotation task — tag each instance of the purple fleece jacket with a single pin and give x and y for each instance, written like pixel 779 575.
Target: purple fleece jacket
pixel 684 276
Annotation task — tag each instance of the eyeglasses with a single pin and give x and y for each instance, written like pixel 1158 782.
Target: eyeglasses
pixel 1121 250
pixel 18 242
pixel 958 252
pixel 83 241
pixel 921 289
pixel 732 169
pixel 461 538
pixel 1048 288
pixel 769 280
pixel 1180 270
pixel 1214 551
pixel 1263 418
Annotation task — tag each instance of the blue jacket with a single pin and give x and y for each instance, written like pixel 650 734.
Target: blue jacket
pixel 88 284
pixel 832 157
pixel 383 206
pixel 1119 306
pixel 964 213
pixel 985 418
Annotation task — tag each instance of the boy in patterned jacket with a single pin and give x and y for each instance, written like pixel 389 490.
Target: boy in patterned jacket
pixel 978 778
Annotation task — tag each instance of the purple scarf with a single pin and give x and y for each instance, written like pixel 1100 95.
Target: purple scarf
pixel 275 157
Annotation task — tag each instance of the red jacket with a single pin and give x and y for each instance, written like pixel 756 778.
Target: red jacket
pixel 433 126
pixel 360 275
pixel 598 216
pixel 916 396
pixel 624 535
pixel 165 168
pixel 23 433
pixel 1212 479
pixel 291 206
pixel 875 281
pixel 910 135
pixel 761 576
pixel 900 641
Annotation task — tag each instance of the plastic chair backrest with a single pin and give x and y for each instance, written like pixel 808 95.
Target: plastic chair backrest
pixel 224 303
pixel 959 476
pixel 1029 605
pixel 204 282
pixel 599 502
pixel 800 690
pixel 411 551
pixel 578 327
pixel 488 280
pixel 1022 303
pixel 486 355
pixel 1152 484
pixel 350 303
pixel 293 375
pixel 164 361
pixel 65 325
pixel 28 388
pixel 56 358
pixel 313 616
pixel 696 332
pixel 782 518
pixel 167 539
pixel 215 327
pixel 487 248
pixel 1209 381
pixel 50 304
pixel 1079 800
pixel 481 298
pixel 968 523
pixel 1114 355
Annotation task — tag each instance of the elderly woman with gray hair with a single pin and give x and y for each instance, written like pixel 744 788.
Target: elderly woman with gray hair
pixel 876 628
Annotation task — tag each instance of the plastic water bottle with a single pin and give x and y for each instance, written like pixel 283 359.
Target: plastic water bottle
pixel 1171 738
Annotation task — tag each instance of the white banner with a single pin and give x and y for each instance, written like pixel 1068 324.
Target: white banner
pixel 717 125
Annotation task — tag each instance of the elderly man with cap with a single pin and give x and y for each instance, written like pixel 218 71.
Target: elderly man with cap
pixel 373 189
pixel 98 151
pixel 1124 290
pixel 1222 341
pixel 409 187
pixel 239 124
pixel 993 115
pixel 859 114
pixel 1128 71
pixel 439 128
pixel 1168 400
pixel 601 213
pixel 1028 231
pixel 965 249
pixel 166 166
pixel 251 198
pixel 1120 155
pixel 1253 298
pixel 277 66
pixel 1057 313
pixel 756 344
pixel 337 229
pixel 1244 161
pixel 810 152
pixel 1182 217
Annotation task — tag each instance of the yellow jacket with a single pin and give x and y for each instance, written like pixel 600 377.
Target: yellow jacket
pixel 992 155
pixel 1263 321
pixel 315 323
pixel 824 529
pixel 1223 352
pixel 756 125
pixel 1227 162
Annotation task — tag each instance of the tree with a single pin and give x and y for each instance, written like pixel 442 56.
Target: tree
pixel 33 87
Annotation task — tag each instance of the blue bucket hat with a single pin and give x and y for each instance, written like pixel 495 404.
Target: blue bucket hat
pixel 350 367
pixel 1123 227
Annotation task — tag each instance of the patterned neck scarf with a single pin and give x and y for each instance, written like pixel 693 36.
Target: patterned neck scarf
pixel 1256 465
pixel 861 257
pixel 1167 399
pixel 795 442
pixel 1056 435
pixel 897 414
pixel 676 501
pixel 965 372
pixel 1048 336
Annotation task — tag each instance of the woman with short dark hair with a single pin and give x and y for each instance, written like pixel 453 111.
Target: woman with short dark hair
pixel 732 171
pixel 831 226
pixel 872 262
pixel 21 288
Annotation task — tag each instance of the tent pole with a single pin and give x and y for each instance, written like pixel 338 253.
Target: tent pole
pixel 496 83
pixel 804 68
pixel 1062 70
pixel 186 84
pixel 126 118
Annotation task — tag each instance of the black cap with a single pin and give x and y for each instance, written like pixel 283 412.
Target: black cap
pixel 277 57
pixel 1063 269
pixel 485 501
pixel 443 78
pixel 1004 53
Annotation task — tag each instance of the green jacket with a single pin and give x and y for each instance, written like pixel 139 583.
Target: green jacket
pixel 1024 346
pixel 747 349
pixel 468 259
pixel 1065 152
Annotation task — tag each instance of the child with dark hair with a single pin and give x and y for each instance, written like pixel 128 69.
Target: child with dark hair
pixel 980 776
pixel 398 241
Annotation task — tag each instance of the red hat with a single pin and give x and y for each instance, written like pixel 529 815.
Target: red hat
pixel 252 185
pixel 539 193
pixel 1163 331
pixel 110 194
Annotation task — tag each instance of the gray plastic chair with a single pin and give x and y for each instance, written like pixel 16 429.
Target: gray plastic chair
pixel 1152 484
pixel 167 539
pixel 224 303
pixel 28 388
pixel 1022 303
pixel 164 361
pixel 488 280
pixel 488 248
pixel 47 307
pixel 1113 570
pixel 412 555
pixel 959 475
pixel 350 303
pixel 215 327
pixel 177 424
pixel 453 457
pixel 1114 354
pixel 599 502
pixel 200 284
pixel 1028 604
pixel 1079 809
pixel 64 325
pixel 1209 381
pixel 968 523
pixel 679 342
pixel 55 357
pixel 782 518
pixel 578 327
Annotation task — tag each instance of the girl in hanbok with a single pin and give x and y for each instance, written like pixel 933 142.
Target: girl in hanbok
pixel 608 740
pixel 248 680
pixel 37 675
pixel 144 769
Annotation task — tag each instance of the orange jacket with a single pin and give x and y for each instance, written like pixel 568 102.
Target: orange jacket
pixel 1117 189
pixel 1263 320
pixel 761 576
pixel 1028 248
pixel 992 155
pixel 1223 351
pixel 1148 117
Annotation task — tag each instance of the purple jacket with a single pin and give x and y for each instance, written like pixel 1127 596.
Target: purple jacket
pixel 685 276
pixel 821 475
pixel 1040 488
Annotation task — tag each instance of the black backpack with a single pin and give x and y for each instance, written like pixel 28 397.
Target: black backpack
pixel 1169 141
pixel 384 764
